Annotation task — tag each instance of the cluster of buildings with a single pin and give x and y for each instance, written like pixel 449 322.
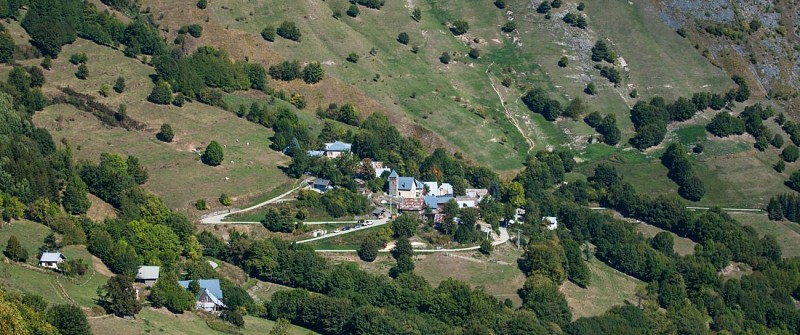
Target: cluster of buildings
pixel 409 194
pixel 421 197
pixel 208 299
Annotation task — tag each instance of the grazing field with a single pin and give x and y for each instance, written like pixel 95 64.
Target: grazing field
pixel 163 322
pixel 30 234
pixel 351 241
pixel 249 169
pixel 608 288
pixel 785 232
pixel 498 273
pixel 56 288
pixel 683 246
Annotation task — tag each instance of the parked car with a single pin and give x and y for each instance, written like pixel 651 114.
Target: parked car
pixel 345 228
pixel 359 225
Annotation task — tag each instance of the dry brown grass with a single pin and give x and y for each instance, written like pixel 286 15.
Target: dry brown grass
pixel 176 174
pixel 608 287
pixel 100 209
pixel 683 246
pixel 244 45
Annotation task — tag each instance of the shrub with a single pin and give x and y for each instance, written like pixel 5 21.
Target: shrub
pixel 225 199
pixel 46 62
pixel 563 62
pixel 486 247
pixel 14 250
pixel 352 11
pixel 459 27
pixel 313 73
pixel 581 6
pixel 416 14
pixel 779 166
pixel 403 38
pixel 119 85
pixel 544 8
pixel 368 251
pixel 353 57
pixel 509 27
pixel 777 141
pixel 601 52
pixel 80 58
pixel 474 53
pixel 178 100
pixel 195 30
pixel 200 204
pixel 590 89
pixel 161 93
pixel 289 31
pixel 268 34
pixel 202 4
pixel 374 4
pixel 213 154
pixel 501 4
pixel 790 153
pixel 286 70
pixel 445 58
pixel 165 134
pixel 556 3
pixel 794 181
pixel 724 124
pixel 83 72
pixel 233 317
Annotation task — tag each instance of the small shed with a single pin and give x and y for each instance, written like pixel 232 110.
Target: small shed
pixel 551 222
pixel 147 274
pixel 51 260
pixel 321 185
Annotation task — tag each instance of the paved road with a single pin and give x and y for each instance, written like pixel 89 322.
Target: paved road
pixel 503 238
pixel 747 210
pixel 375 223
pixel 217 219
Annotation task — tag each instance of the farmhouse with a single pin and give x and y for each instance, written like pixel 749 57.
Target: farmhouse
pixel 147 275
pixel 210 297
pixel 336 149
pixel 51 260
pixel 321 185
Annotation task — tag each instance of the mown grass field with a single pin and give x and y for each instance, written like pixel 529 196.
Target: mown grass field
pixel 176 173
pixel 683 246
pixel 30 234
pixel 607 288
pixel 499 279
pixel 785 232
pixel 161 321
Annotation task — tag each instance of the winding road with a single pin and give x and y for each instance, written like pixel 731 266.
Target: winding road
pixel 218 218
pixel 503 238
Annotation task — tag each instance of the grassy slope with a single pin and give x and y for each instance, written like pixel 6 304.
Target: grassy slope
pixel 787 233
pixel 608 287
pixel 161 321
pixel 402 72
pixel 176 173
pixel 500 280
